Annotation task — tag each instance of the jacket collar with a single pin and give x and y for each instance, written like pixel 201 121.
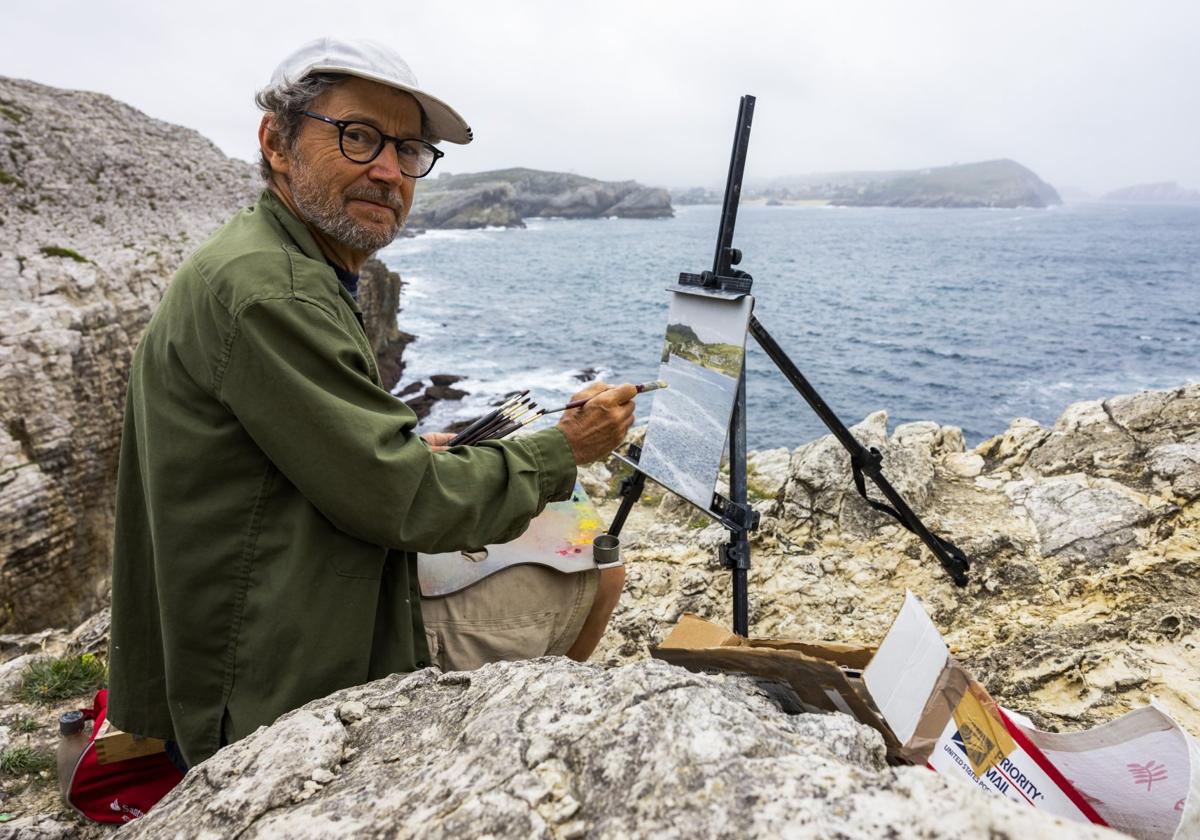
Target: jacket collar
pixel 304 240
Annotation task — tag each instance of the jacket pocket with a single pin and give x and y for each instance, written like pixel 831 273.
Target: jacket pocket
pixel 360 561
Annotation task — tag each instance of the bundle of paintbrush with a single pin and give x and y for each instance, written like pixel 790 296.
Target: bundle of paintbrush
pixel 518 412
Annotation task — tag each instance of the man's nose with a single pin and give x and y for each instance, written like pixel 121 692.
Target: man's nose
pixel 386 166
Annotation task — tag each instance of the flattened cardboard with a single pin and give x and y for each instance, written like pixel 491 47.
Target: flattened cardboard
pixel 1139 773
pixel 811 669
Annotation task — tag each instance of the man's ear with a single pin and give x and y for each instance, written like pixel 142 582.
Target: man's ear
pixel 272 146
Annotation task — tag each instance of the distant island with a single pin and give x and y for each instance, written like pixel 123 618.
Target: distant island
pixel 1164 191
pixel 505 197
pixel 992 183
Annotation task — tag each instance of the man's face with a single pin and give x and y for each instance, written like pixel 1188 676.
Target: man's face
pixel 360 205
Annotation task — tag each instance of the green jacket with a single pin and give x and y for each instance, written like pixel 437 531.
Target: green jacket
pixel 271 493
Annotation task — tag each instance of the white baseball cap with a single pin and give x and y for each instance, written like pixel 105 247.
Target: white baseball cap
pixel 378 63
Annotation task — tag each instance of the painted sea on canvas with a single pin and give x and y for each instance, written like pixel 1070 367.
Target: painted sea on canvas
pixel 965 317
pixel 701 362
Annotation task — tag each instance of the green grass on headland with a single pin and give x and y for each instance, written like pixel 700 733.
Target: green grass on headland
pixel 47 680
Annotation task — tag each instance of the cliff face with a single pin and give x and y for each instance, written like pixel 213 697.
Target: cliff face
pixel 502 198
pixel 98 205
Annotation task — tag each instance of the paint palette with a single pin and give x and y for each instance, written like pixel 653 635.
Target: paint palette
pixel 560 537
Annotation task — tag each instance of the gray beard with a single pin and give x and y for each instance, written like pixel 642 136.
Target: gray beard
pixel 327 213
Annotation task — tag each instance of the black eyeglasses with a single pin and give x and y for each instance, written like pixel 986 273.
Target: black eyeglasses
pixel 362 142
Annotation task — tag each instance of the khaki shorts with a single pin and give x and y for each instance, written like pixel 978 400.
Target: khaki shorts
pixel 518 613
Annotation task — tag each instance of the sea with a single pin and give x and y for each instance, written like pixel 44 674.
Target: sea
pixel 965 317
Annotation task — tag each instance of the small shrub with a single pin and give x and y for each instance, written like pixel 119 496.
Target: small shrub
pixel 55 251
pixel 47 680
pixel 7 179
pixel 18 761
pixel 26 725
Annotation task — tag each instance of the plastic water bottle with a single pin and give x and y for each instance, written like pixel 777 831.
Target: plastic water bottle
pixel 71 744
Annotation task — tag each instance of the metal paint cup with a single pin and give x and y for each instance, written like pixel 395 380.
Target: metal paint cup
pixel 606 551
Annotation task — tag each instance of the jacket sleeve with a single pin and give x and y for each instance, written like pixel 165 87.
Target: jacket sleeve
pixel 301 387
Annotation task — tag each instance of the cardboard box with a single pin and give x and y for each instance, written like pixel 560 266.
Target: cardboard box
pixel 1139 774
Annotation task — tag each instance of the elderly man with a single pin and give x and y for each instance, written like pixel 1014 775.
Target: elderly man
pixel 271 491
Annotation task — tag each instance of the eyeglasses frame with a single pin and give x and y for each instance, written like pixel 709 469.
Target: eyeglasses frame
pixel 341 125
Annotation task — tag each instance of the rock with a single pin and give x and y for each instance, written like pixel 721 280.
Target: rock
pixel 445 379
pixel 99 204
pixel 485 205
pixel 379 300
pixel 596 480
pixel 819 492
pixel 767 471
pixel 411 388
pixel 42 827
pixel 586 375
pixel 553 748
pixel 438 393
pixel 502 198
pixel 1085 519
pixel 1179 465
pixel 421 405
pixel 1084 594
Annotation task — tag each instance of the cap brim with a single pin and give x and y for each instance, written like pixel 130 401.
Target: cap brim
pixel 444 122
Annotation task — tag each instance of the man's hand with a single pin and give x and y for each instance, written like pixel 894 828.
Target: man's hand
pixel 596 429
pixel 438 440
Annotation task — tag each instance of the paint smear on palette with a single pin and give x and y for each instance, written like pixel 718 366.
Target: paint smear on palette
pixel 560 537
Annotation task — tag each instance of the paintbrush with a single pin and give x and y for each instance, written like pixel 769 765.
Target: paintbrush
pixel 519 422
pixel 470 431
pixel 656 385
pixel 487 432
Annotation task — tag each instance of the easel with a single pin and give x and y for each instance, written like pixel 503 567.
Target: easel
pixel 735 513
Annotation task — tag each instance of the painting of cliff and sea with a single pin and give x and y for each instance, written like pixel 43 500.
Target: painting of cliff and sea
pixel 701 362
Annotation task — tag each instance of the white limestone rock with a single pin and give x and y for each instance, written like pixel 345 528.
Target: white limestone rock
pixel 550 748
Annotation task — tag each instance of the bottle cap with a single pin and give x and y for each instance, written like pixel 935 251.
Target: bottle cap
pixel 70 723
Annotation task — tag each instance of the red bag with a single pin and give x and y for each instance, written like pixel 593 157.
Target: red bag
pixel 120 791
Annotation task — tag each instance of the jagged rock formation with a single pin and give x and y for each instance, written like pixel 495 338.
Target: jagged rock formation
pixel 992 183
pixel 379 299
pixel 99 204
pixel 1165 191
pixel 1084 598
pixel 503 198
pixel 549 748
pixel 1084 602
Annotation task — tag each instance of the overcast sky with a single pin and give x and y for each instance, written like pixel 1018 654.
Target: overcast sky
pixel 1094 95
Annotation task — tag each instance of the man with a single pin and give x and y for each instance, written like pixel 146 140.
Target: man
pixel 271 493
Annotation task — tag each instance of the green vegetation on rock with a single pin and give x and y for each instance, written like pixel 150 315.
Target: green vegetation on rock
pixel 55 251
pixel 20 760
pixel 11 111
pixel 683 342
pixel 48 679
pixel 7 179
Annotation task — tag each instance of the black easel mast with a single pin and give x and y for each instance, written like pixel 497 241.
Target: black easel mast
pixel 865 462
pixel 735 512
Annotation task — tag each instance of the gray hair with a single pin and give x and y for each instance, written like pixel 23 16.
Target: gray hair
pixel 287 103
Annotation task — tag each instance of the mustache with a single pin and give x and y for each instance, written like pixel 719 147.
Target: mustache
pixel 378 196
